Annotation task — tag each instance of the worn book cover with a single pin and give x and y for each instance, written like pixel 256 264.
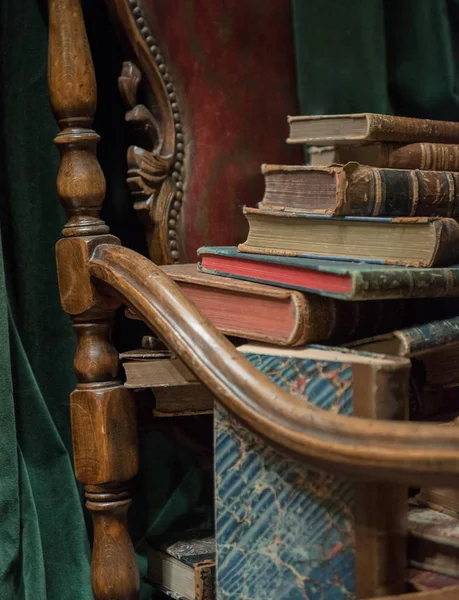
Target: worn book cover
pixel 419 155
pixel 284 531
pixel 406 241
pixel 158 372
pixel 183 565
pixel 336 278
pixel 422 340
pixel 433 348
pixel 323 130
pixel 360 190
pixel 284 317
pixel 433 542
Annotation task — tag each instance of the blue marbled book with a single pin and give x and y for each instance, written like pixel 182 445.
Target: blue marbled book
pixel 284 532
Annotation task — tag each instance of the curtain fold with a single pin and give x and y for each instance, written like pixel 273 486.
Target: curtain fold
pixel 379 56
pixel 44 550
pixel 341 56
pixel 422 38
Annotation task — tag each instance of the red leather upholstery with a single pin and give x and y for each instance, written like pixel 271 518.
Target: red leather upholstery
pixel 233 65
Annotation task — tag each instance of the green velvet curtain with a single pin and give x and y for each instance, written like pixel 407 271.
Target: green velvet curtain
pixel 359 55
pixel 44 542
pixel 44 549
pixel 386 56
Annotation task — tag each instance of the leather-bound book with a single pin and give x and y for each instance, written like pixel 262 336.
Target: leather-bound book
pixel 338 279
pixel 182 565
pixel 360 190
pixel 434 351
pixel 419 155
pixel 433 542
pixel 322 130
pixel 284 531
pixel 280 316
pixel 413 242
pixel 433 341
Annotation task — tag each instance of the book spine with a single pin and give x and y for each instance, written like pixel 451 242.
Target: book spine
pixel 355 319
pixel 447 250
pixel 329 319
pixel 423 156
pixel 375 192
pixel 205 582
pixel 429 336
pixel 405 129
pixel 405 283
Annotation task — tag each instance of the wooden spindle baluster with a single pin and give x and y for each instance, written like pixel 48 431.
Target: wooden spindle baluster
pixel 103 413
pixel 109 511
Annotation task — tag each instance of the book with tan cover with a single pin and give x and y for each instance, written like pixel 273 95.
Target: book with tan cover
pixel 323 130
pixel 409 241
pixel 418 155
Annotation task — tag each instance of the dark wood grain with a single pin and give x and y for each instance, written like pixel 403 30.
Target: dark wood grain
pixel 408 453
pixel 102 410
pixel 156 169
pixel 114 571
pixel 72 88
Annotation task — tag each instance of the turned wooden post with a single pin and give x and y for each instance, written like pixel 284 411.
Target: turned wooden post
pixel 102 411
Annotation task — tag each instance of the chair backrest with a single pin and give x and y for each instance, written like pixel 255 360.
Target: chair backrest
pixel 208 87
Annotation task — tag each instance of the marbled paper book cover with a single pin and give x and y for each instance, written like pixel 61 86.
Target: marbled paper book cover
pixel 283 532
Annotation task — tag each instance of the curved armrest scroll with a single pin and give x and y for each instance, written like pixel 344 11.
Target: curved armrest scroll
pixel 409 453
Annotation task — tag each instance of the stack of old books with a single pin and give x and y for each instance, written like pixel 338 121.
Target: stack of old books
pixel 362 257
pixel 340 253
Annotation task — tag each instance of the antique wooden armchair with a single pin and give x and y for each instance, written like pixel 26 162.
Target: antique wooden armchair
pixel 175 195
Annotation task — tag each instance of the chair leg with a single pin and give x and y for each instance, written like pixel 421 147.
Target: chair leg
pixel 105 446
pixel 114 572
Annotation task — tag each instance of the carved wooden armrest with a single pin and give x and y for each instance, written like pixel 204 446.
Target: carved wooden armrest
pixel 360 448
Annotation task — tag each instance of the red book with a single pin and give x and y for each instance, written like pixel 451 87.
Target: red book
pixel 344 279
pixel 287 317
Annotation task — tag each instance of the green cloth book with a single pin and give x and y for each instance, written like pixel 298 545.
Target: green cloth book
pixel 343 279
